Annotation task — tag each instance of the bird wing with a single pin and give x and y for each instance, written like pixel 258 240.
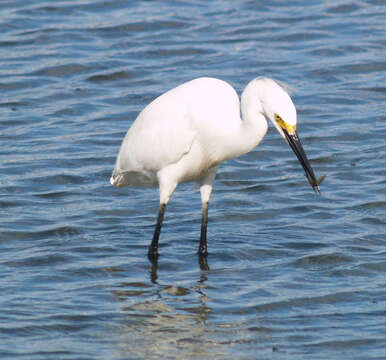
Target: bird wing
pixel 160 136
pixel 197 118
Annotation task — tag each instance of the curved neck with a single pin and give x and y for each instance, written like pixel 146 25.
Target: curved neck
pixel 242 134
pixel 254 125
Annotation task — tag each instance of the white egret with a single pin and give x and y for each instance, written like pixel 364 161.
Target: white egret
pixel 184 135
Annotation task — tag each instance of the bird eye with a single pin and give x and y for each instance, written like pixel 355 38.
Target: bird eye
pixel 278 117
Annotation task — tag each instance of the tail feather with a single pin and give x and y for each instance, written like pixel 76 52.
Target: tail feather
pixel 121 178
pixel 117 179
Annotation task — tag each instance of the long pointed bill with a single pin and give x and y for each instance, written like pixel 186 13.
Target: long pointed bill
pixel 294 141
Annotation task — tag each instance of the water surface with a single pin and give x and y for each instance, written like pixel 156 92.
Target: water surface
pixel 292 275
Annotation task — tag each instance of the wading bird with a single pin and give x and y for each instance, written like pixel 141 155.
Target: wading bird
pixel 184 135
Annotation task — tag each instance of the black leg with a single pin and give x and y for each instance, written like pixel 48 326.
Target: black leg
pixel 153 248
pixel 203 261
pixel 203 250
pixel 154 268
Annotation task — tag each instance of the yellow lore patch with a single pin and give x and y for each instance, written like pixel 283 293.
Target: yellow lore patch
pixel 287 127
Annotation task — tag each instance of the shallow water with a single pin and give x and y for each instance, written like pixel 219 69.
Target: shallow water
pixel 292 275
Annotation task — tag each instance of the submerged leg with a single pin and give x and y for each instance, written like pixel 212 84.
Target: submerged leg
pixel 153 248
pixel 203 249
pixel 203 261
pixel 166 188
pixel 206 191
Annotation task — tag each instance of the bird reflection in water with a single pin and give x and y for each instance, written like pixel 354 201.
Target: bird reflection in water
pixel 166 320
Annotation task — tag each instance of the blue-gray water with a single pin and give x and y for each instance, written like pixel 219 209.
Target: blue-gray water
pixel 292 275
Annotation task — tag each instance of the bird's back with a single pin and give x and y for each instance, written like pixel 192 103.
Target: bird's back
pixel 165 130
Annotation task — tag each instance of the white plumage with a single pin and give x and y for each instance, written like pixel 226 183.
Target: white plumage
pixel 184 134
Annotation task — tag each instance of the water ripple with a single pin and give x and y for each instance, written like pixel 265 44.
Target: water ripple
pixel 290 274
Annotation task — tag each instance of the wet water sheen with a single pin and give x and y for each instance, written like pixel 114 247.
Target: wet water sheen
pixel 292 275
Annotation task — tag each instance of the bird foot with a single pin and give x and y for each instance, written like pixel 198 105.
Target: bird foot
pixel 153 255
pixel 203 261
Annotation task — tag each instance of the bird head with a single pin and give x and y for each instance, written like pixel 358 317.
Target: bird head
pixel 278 107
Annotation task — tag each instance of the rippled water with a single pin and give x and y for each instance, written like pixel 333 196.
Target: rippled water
pixel 292 275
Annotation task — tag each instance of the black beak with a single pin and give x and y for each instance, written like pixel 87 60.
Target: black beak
pixel 294 141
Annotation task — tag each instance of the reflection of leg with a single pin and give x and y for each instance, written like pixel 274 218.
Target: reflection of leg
pixel 153 248
pixel 203 249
